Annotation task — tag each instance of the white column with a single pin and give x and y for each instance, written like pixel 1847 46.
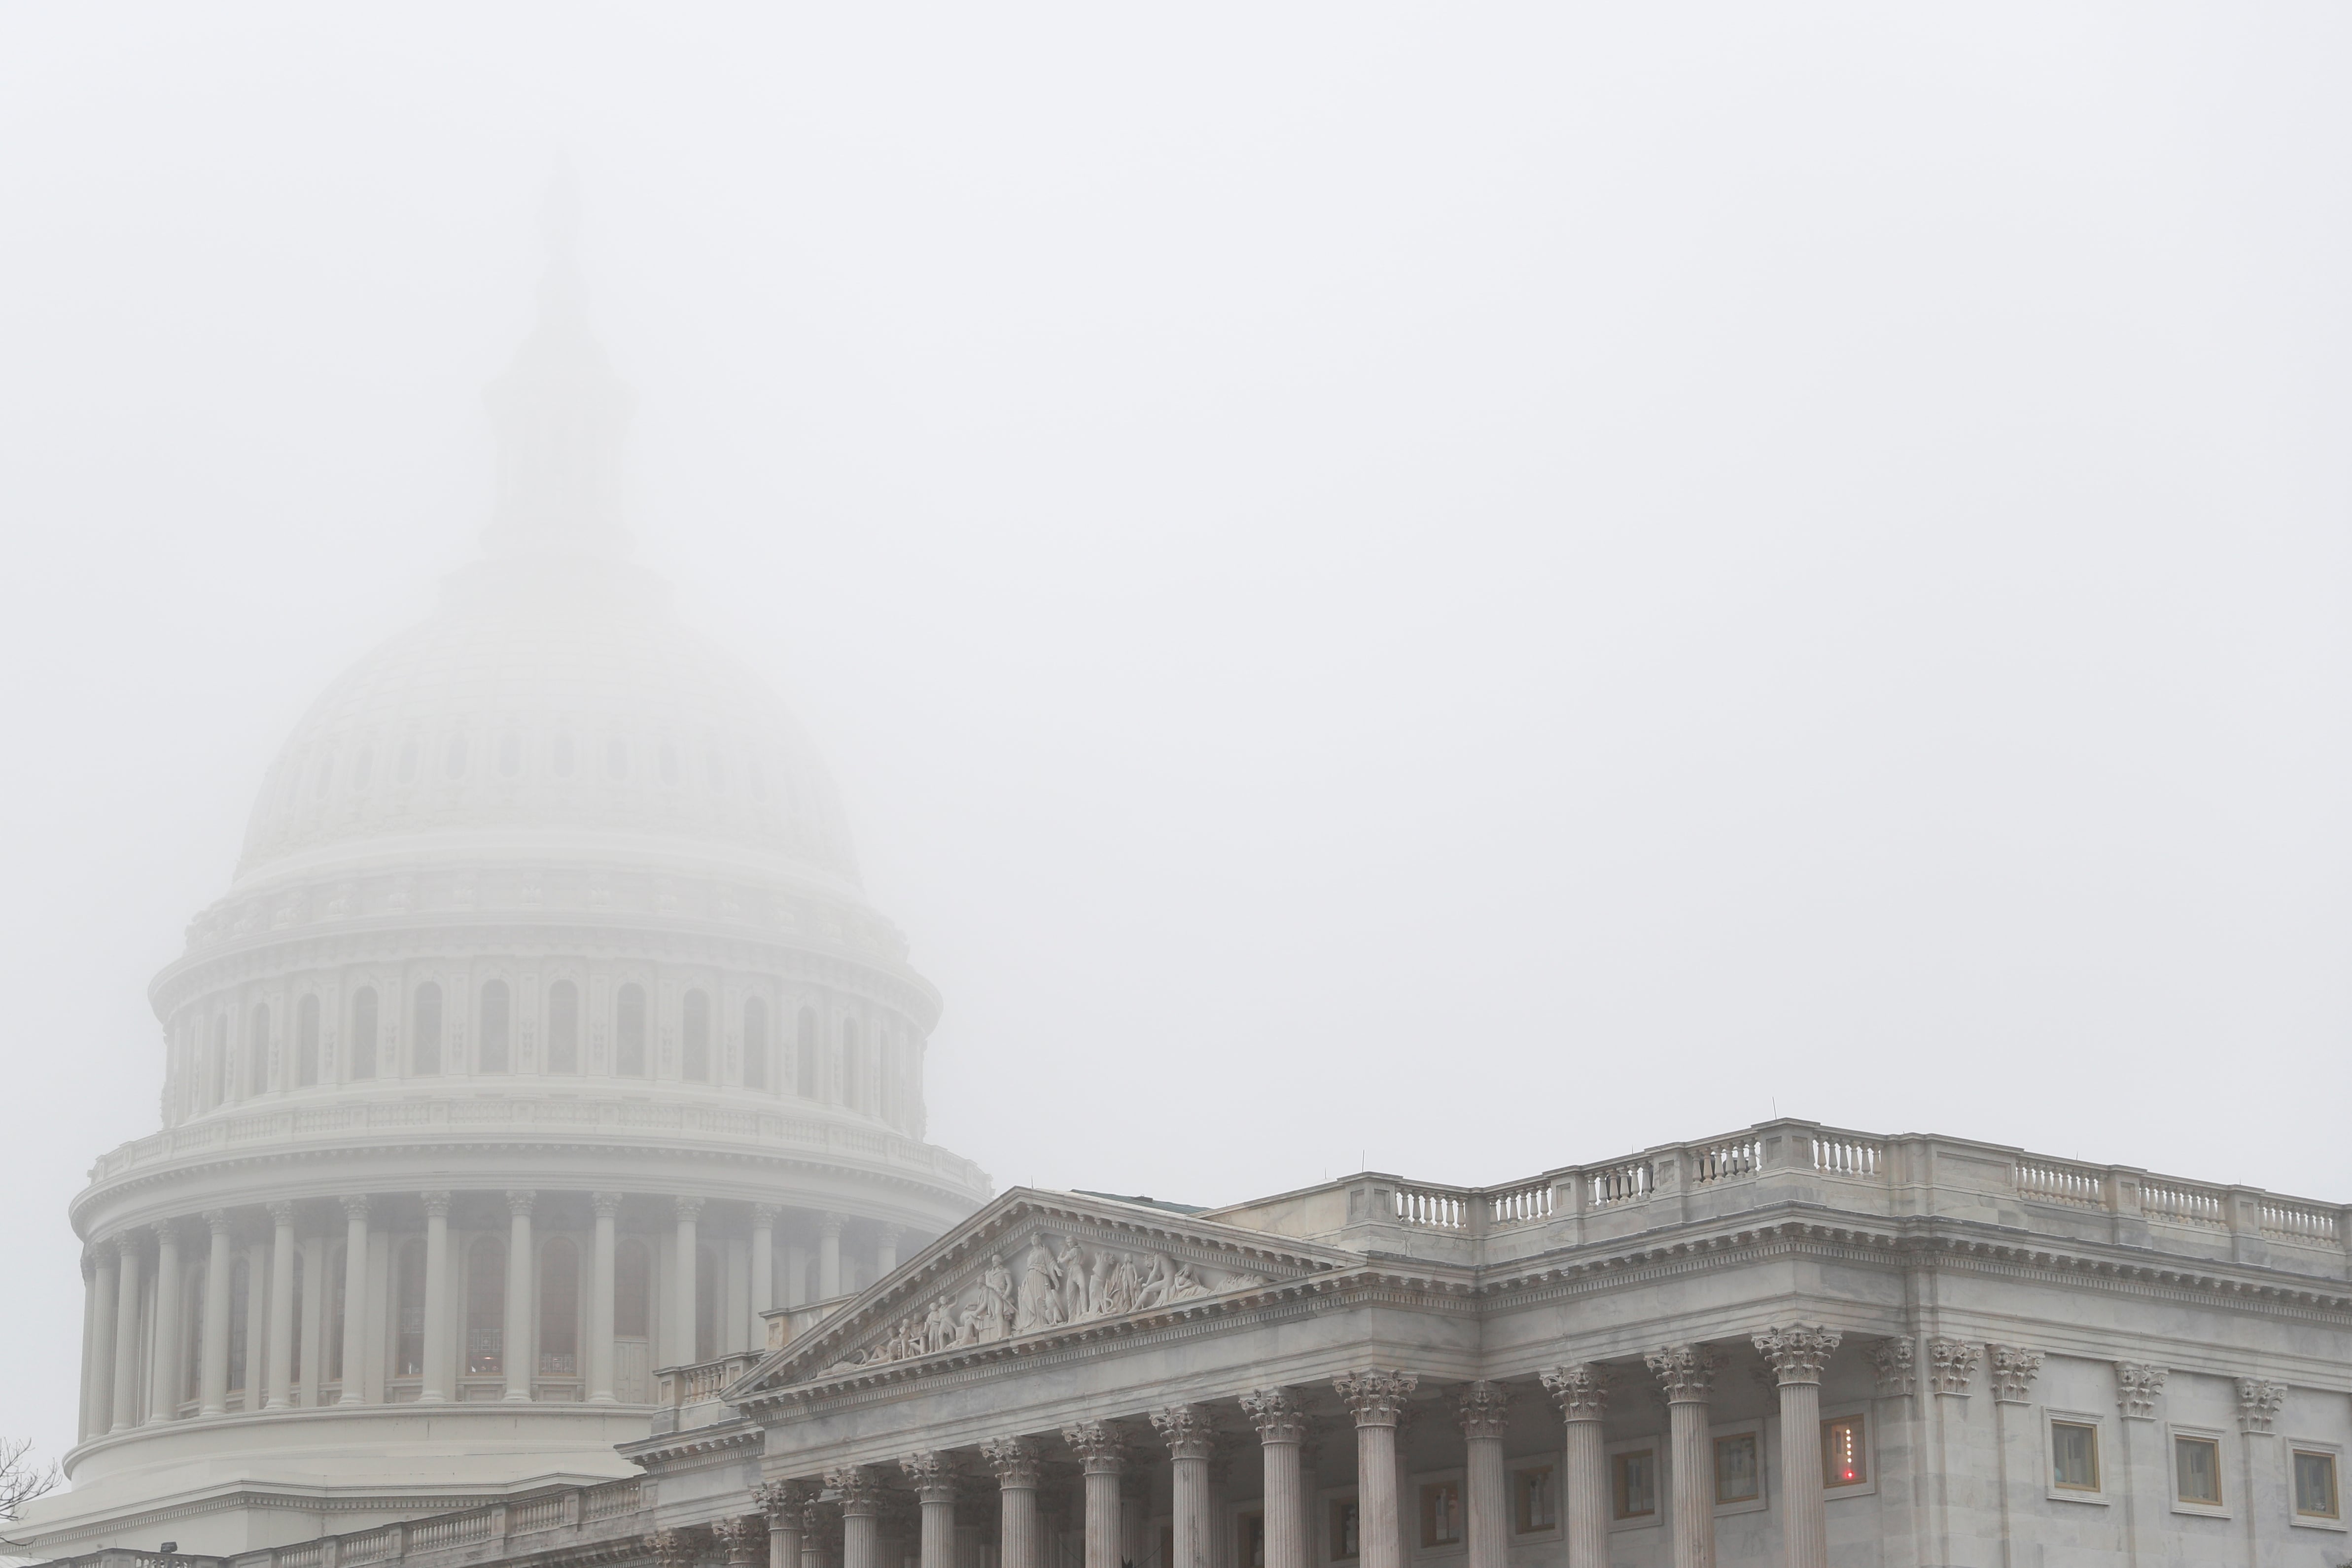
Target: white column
pixel 1584 1400
pixel 355 1299
pixel 282 1307
pixel 886 1247
pixel 828 1255
pixel 796 1266
pixel 126 1334
pixel 682 1335
pixel 98 1265
pixel 1797 1355
pixel 1281 1419
pixel 1103 1456
pixel 1687 1371
pixel 1186 1429
pixel 438 1369
pixel 934 1484
pixel 163 1352
pixel 312 1321
pixel 1485 1409
pixel 212 1371
pixel 1375 1398
pixel 255 1327
pixel 599 1299
pixel 782 1501
pixel 1015 1462
pixel 763 1274
pixel 861 1521
pixel 515 1356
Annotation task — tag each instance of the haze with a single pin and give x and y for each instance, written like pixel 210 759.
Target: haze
pixel 1454 588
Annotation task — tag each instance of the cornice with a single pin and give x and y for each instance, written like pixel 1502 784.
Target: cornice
pixel 667 1447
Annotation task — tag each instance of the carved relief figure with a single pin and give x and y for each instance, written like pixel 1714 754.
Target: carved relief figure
pixel 1039 1303
pixel 1074 1280
pixel 939 1329
pixel 1098 1282
pixel 996 1299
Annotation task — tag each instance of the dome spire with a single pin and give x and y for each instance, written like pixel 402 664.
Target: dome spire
pixel 561 412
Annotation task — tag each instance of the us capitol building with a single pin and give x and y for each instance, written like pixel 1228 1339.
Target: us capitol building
pixel 543 1184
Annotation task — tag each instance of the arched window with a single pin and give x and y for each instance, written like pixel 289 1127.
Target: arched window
pixel 559 758
pixel 486 1307
pixel 616 758
pixel 755 1043
pixel 709 1282
pixel 333 1329
pixel 695 1030
pixel 805 1053
pixel 558 1308
pixel 257 1050
pixel 496 1026
pixel 629 1031
pixel 240 1309
pixel 220 1059
pixel 408 762
pixel 633 1290
pixel 453 760
pixel 306 1041
pixel 363 1032
pixel 563 1027
pixel 425 1029
pixel 849 1085
pixel 408 1306
pixel 510 753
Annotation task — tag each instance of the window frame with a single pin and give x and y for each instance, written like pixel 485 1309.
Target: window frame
pixel 1458 1479
pixel 1556 1462
pixel 1655 1442
pixel 1326 1504
pixel 2296 1517
pixel 1718 1434
pixel 1868 1484
pixel 2174 1433
pixel 2050 1421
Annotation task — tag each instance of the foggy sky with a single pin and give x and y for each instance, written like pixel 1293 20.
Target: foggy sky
pixel 1458 589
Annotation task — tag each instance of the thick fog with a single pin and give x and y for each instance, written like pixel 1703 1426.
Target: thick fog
pixel 1454 588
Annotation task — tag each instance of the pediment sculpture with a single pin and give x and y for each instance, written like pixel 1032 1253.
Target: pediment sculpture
pixel 1050 1283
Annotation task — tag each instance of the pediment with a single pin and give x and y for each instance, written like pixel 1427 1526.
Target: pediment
pixel 1029 1267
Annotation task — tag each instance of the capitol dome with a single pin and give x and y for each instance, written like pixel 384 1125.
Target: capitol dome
pixel 543 1041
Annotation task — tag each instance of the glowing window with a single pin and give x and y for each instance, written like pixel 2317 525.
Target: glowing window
pixel 1634 1483
pixel 559 1309
pixel 1845 1460
pixel 2073 1455
pixel 2197 1471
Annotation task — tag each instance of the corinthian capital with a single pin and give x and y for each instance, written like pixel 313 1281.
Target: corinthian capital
pixel 2258 1405
pixel 1280 1414
pixel 1377 1397
pixel 930 1475
pixel 1014 1460
pixel 1798 1352
pixel 1185 1428
pixel 859 1489
pixel 1101 1446
pixel 743 1543
pixel 1953 1364
pixel 1485 1408
pixel 2138 1383
pixel 1891 1362
pixel 1684 1371
pixel 2015 1368
pixel 782 1501
pixel 1580 1391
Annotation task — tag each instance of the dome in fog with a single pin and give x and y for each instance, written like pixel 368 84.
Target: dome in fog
pixel 552 700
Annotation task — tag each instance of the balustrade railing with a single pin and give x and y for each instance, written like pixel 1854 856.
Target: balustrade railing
pixel 1627 1183
pixel 1521 1205
pixel 2062 1184
pixel 2179 1205
pixel 1432 1210
pixel 2293 1222
pixel 1712 1163
pixel 1848 1156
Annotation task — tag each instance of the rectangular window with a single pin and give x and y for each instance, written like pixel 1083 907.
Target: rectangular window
pixel 2315 1485
pixel 1739 1468
pixel 1345 1543
pixel 1634 1483
pixel 1441 1514
pixel 1535 1505
pixel 2197 1471
pixel 1249 1531
pixel 2073 1455
pixel 1845 1459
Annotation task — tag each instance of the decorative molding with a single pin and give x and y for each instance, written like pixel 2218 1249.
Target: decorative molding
pixel 1374 1396
pixel 744 1541
pixel 1894 1362
pixel 1685 1371
pixel 1952 1365
pixel 1798 1352
pixel 783 1502
pixel 521 1202
pixel 1580 1391
pixel 1101 1446
pixel 2137 1383
pixel 932 1475
pixel 2015 1368
pixel 1015 1461
pixel 2258 1405
pixel 858 1489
